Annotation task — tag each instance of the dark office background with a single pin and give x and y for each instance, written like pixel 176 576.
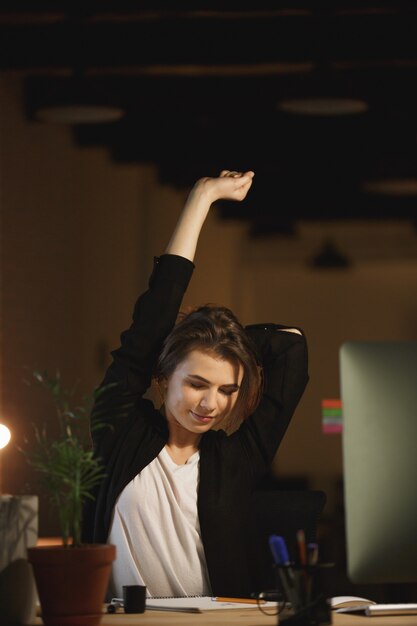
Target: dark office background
pixel 319 101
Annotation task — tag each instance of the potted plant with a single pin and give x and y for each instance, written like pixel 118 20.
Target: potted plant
pixel 71 579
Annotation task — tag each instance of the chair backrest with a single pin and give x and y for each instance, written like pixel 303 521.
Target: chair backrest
pixel 281 513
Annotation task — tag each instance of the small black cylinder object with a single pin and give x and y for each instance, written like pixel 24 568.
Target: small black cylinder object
pixel 134 598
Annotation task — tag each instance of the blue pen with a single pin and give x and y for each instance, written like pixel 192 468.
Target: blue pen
pixel 279 550
pixel 282 560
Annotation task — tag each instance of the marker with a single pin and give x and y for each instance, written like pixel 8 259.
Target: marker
pixel 282 560
pixel 279 550
pixel 313 553
pixel 312 558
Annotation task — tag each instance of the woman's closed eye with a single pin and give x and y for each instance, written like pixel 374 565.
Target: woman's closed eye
pixel 196 385
pixel 226 391
pixel 229 391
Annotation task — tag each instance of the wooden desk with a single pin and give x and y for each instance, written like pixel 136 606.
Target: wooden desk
pixel 243 618
pixel 344 619
pixel 239 618
pixel 209 618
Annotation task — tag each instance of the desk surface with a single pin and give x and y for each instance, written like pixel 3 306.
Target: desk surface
pixel 345 619
pixel 238 617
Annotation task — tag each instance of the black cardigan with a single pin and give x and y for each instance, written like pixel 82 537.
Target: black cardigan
pixel 230 466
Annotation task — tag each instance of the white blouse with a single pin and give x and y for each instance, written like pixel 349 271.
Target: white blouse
pixel 156 531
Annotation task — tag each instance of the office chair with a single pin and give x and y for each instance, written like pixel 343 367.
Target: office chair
pixel 281 513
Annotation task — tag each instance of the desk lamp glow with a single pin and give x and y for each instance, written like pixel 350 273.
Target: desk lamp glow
pixel 5 437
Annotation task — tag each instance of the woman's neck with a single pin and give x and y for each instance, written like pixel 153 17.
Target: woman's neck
pixel 180 437
pixel 181 444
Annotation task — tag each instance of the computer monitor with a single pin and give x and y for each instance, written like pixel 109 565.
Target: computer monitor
pixel 379 400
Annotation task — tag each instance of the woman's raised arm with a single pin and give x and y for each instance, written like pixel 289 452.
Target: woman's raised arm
pixel 229 185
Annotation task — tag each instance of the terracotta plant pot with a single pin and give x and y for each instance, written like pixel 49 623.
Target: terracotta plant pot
pixel 72 582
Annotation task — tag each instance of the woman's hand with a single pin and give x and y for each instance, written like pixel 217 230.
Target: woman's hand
pixel 230 185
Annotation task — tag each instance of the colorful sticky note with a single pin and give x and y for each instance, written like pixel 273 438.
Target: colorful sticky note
pixel 331 416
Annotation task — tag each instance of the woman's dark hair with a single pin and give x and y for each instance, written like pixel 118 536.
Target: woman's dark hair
pixel 215 330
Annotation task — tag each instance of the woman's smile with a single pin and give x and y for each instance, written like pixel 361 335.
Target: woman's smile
pixel 205 419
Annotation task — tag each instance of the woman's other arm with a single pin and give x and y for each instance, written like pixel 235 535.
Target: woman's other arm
pixel 283 354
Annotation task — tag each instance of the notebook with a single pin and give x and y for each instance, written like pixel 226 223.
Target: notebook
pixel 355 604
pixel 200 604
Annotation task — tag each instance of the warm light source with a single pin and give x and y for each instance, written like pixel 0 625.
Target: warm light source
pixel 5 436
pixel 79 113
pixel 392 186
pixel 326 106
pixel 73 100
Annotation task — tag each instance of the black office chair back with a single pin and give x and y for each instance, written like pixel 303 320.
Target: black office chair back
pixel 281 513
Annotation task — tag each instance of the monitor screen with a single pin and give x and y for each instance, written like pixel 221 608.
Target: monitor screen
pixel 379 399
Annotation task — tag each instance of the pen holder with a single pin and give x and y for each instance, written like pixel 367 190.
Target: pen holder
pixel 302 588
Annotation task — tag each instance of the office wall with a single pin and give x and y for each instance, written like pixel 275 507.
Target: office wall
pixel 78 233
pixel 70 223
pixel 374 299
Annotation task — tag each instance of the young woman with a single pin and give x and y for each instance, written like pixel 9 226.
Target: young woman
pixel 176 495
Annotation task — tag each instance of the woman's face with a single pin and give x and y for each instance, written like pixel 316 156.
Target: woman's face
pixel 202 391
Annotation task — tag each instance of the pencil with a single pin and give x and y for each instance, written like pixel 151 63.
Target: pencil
pixel 302 550
pixel 240 600
pixel 301 540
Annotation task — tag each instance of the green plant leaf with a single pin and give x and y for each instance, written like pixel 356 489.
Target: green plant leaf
pixel 66 465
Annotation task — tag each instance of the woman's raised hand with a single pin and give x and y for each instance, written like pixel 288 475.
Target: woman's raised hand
pixel 230 185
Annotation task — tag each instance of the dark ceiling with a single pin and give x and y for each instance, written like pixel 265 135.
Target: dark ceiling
pixel 201 86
